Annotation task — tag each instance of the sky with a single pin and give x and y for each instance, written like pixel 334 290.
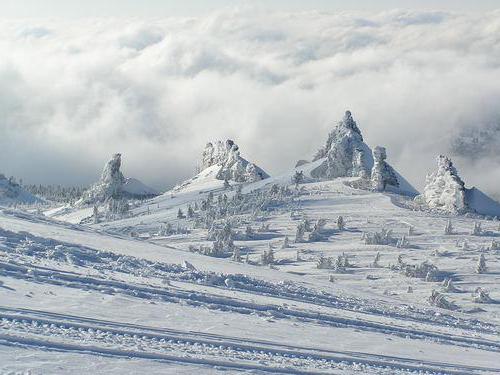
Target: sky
pixel 156 80
pixel 163 8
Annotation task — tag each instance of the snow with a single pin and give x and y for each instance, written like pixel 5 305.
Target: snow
pixel 134 187
pixel 385 290
pixel 81 298
pixel 13 194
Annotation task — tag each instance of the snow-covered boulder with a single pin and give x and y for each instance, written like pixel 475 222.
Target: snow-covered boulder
pixel 113 185
pixel 345 153
pixel 231 166
pixel 11 193
pixel 444 189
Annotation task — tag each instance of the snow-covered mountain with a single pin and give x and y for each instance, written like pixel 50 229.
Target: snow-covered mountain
pixel 11 193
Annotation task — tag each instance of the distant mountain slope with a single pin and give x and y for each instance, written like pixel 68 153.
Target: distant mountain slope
pixel 12 193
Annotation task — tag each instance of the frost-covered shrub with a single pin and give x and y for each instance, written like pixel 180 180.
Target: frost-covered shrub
pixel 494 246
pixel 448 286
pixel 403 243
pixel 424 270
pixel 481 296
pixel 384 237
pixel 477 230
pixel 222 241
pixel 267 257
pixel 439 300
pixel 316 233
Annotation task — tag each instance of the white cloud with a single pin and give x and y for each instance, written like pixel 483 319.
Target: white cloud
pixel 156 90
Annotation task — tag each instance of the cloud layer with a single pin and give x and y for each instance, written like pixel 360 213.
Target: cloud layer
pixel 73 93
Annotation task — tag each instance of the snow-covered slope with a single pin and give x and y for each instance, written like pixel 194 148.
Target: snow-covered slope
pixel 13 194
pixel 135 188
pixel 91 298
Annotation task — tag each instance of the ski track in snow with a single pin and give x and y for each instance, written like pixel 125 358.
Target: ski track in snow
pixel 32 250
pixel 76 334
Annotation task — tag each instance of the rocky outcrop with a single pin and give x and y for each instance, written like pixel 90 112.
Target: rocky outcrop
pixel 113 185
pixel 382 175
pixel 444 189
pixel 233 167
pixel 345 153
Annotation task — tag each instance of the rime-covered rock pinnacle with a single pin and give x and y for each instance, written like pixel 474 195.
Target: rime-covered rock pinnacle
pixel 345 153
pixel 113 185
pixel 444 189
pixel 233 167
pixel 382 175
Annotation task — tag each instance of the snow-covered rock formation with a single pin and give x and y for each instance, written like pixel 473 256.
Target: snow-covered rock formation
pixel 233 167
pixel 445 191
pixel 345 153
pixel 11 193
pixel 383 175
pixel 113 185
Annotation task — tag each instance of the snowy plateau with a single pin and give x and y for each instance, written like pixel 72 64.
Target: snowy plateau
pixel 338 266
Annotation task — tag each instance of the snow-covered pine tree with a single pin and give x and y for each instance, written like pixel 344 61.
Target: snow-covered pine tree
pixel 286 243
pixel 477 230
pixel 481 265
pixel 180 214
pixel 340 223
pixel 448 229
pixel 299 234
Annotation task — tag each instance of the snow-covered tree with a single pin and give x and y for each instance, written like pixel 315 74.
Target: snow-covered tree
pixel 439 300
pixel 298 178
pixel 376 260
pixel 340 223
pixel 286 243
pixel 477 230
pixel 95 214
pixel 190 212
pixel 481 296
pixel 448 229
pixel 299 234
pixel 236 254
pixel 267 257
pixel 180 214
pixel 382 174
pixel 403 242
pixel 481 265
